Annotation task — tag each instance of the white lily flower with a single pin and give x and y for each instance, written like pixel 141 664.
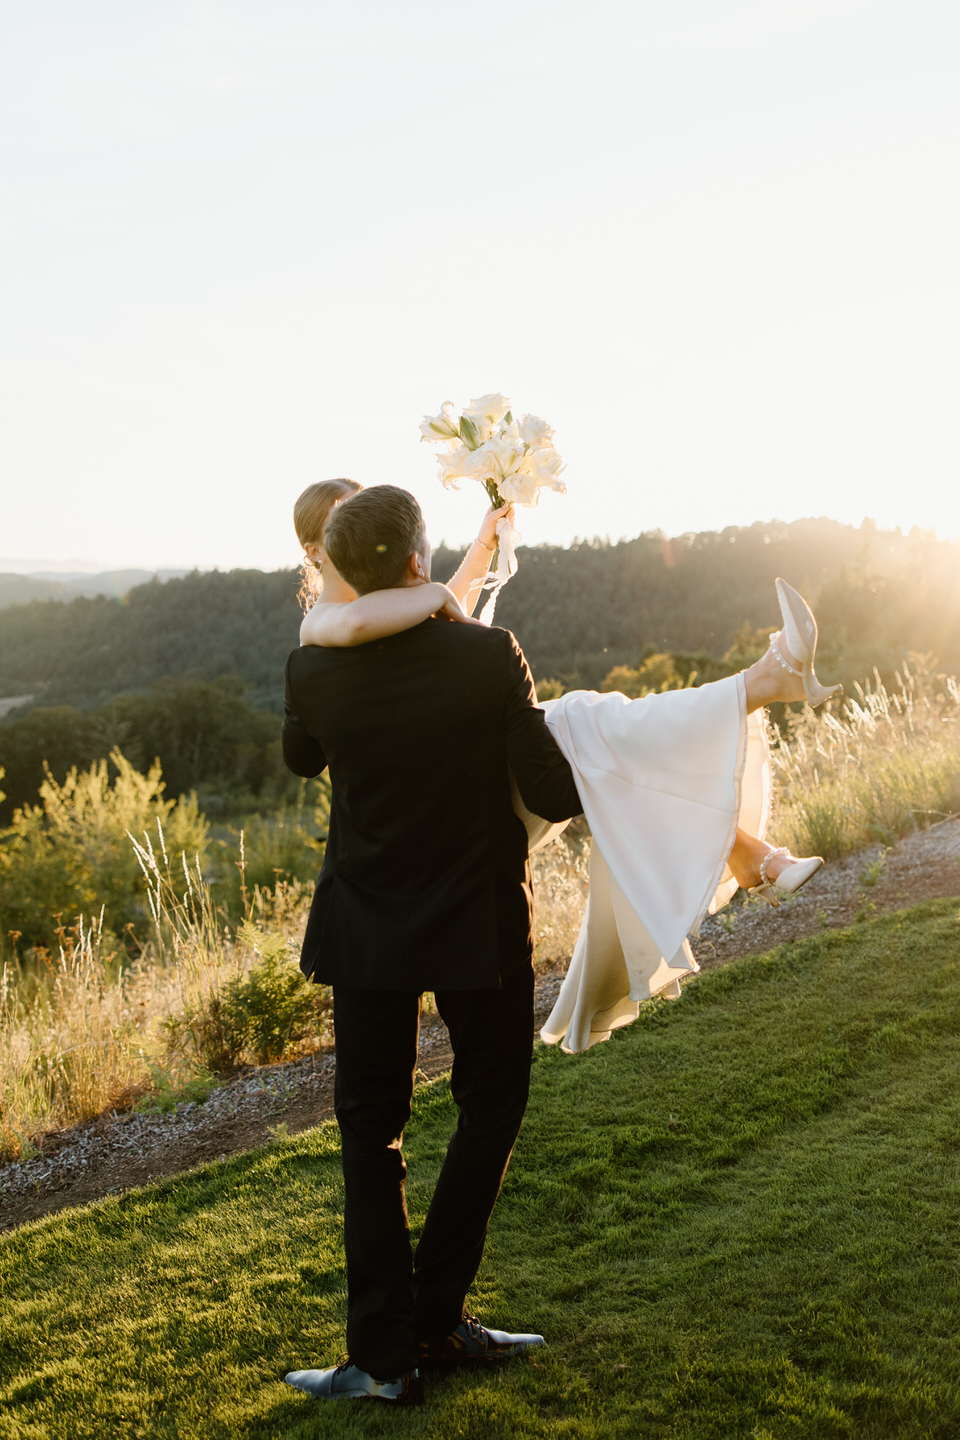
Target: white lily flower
pixel 520 488
pixel 454 465
pixel 506 453
pixel 512 459
pixel 487 412
pixel 444 426
pixel 484 428
pixel 485 463
pixel 548 466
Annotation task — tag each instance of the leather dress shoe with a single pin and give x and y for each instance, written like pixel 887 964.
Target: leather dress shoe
pixel 347 1382
pixel 473 1344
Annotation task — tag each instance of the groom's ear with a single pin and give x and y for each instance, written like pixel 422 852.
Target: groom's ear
pixel 416 572
pixel 418 564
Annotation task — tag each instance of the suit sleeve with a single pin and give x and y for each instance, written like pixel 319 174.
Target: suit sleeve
pixel 301 752
pixel 544 778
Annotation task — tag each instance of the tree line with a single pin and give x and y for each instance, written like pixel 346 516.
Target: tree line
pixel 206 736
pixel 191 671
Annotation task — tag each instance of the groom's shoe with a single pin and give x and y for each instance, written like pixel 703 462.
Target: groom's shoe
pixel 347 1382
pixel 473 1344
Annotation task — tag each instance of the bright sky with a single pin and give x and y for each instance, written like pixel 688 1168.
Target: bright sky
pixel 248 245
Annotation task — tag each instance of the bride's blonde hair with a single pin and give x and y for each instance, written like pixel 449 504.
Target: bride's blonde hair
pixel 310 515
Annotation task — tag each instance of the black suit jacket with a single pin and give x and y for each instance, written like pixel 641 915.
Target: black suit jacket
pixel 425 882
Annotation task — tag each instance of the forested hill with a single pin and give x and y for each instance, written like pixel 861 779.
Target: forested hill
pixel 243 622
pixel 878 594
pixel 576 611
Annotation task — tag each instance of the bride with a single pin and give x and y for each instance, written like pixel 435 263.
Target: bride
pixel 675 786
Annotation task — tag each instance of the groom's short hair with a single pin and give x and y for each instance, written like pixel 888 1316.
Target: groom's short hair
pixel 371 536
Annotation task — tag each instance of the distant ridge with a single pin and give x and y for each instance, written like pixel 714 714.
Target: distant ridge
pixel 47 565
pixel 20 589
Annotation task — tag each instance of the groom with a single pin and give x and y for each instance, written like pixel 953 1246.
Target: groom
pixel 425 885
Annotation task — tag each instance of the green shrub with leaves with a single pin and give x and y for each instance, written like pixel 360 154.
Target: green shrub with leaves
pixel 262 1014
pixel 658 672
pixel 70 855
pixel 169 1092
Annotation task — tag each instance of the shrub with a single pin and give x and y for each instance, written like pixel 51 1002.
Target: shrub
pixel 70 855
pixel 202 734
pixel 263 1013
pixel 84 1032
pixel 658 672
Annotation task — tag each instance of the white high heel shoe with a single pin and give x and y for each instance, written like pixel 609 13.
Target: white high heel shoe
pixel 800 637
pixel 789 880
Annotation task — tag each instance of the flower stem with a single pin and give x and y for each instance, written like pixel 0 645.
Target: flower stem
pixel 496 500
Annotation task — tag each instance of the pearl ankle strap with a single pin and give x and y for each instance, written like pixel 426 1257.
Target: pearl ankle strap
pixel 781 850
pixel 775 651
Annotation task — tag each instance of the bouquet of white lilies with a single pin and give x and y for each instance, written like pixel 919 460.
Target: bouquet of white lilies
pixel 513 460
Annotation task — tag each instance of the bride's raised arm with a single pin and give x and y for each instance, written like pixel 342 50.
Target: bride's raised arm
pixel 467 583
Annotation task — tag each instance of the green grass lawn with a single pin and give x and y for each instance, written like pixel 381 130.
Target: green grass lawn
pixel 740 1217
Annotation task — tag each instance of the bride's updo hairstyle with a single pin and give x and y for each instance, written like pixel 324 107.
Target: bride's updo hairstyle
pixel 310 515
pixel 371 536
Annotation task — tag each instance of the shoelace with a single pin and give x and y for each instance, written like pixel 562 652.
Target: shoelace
pixel 475 1331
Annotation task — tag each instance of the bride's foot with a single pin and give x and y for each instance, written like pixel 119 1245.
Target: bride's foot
pixel 786 672
pixel 775 676
pixel 762 869
pixel 783 872
pixel 795 646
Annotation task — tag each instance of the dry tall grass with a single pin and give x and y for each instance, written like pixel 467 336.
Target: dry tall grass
pixel 83 1033
pixel 887 762
pixel 69 1032
pixel 87 1031
pixel 560 883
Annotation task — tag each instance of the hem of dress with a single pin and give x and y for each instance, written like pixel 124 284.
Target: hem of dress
pixel 742 743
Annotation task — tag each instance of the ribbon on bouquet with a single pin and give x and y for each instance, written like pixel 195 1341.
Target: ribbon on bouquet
pixel 505 565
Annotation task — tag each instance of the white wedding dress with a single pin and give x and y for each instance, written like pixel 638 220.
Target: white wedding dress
pixel 665 781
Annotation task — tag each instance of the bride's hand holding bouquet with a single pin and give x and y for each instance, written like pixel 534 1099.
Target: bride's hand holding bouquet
pixel 513 460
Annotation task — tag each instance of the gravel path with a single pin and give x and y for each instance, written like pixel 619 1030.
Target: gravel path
pixel 923 866
pixel 119 1151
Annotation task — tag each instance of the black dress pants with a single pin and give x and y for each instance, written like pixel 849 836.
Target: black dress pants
pixel 395 1299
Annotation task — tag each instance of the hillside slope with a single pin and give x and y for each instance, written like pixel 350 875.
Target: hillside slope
pixel 736 1218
